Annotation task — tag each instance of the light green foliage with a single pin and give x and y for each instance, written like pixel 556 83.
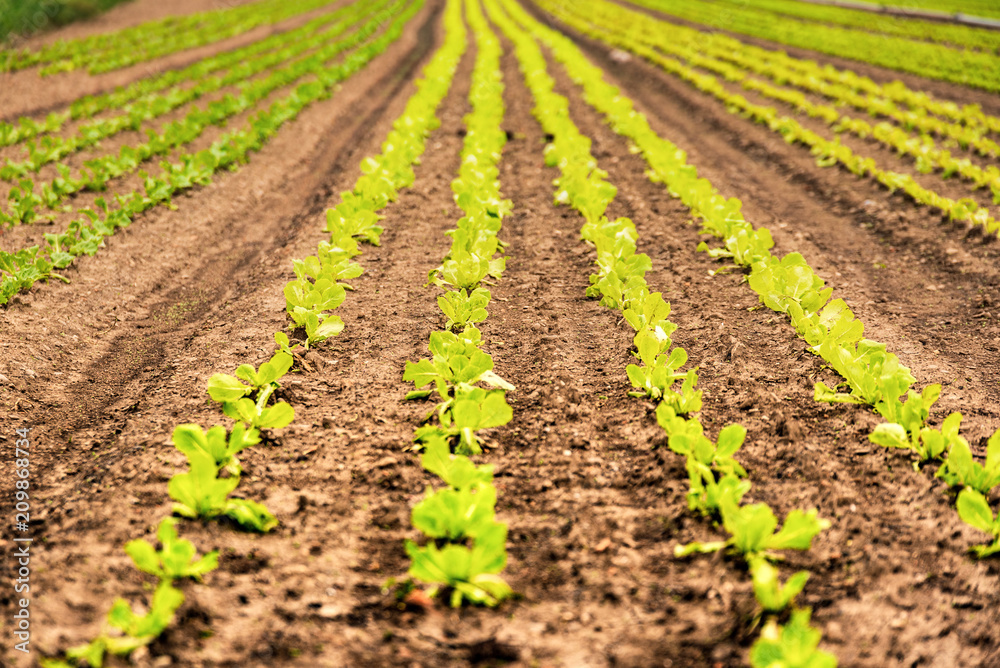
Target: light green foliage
pixel 259 416
pixel 137 630
pixel 467 546
pixel 457 364
pixel 228 151
pixel 794 645
pixel 659 370
pixel 471 573
pixel 960 470
pixel 975 511
pixel 215 442
pixel 457 471
pixel 716 485
pixel 176 557
pixel 307 303
pixel 463 307
pixel 767 587
pixel 231 392
pixel 200 493
pixel 928 443
pixel 754 532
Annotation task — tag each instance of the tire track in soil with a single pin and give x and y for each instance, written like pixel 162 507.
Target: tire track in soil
pixel 788 451
pixel 119 384
pixel 886 257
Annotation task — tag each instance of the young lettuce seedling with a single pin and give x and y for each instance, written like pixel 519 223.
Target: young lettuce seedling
pixel 688 400
pixel 713 473
pixel 332 266
pixel 466 271
pixel 215 442
pixel 767 587
pixel 650 312
pixel 960 470
pixel 284 345
pixel 463 307
pixel 470 573
pixel 201 494
pixel 231 393
pixel 752 531
pixel 708 490
pixel 457 471
pixel 472 410
pixel 659 371
pixel 176 557
pixel 456 514
pixel 926 442
pixel 687 438
pixel 457 363
pixel 874 375
pixel 791 646
pixel 306 303
pixel 353 218
pixel 975 511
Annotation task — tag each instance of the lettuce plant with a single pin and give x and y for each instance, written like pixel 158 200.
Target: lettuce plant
pixel 975 511
pixel 659 370
pixel 473 409
pixel 463 307
pixel 928 443
pixel 176 557
pixel 215 442
pixel 469 572
pixel 754 532
pixel 794 645
pixel 767 588
pixel 137 630
pixel 200 493
pixel 960 470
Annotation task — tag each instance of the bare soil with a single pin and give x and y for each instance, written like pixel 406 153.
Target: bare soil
pixel 104 368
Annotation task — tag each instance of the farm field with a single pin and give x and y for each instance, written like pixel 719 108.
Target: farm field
pixel 500 332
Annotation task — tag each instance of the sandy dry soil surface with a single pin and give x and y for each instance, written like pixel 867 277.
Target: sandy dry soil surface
pixel 104 368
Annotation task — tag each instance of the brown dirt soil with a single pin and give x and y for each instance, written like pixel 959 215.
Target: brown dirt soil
pixel 104 368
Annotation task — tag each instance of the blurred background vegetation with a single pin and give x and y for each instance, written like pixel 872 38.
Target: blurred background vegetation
pixel 20 18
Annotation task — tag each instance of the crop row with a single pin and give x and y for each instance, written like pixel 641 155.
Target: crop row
pixel 717 481
pixel 111 51
pixel 465 547
pixel 85 237
pixel 49 149
pixel 621 32
pixel 937 61
pixel 873 376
